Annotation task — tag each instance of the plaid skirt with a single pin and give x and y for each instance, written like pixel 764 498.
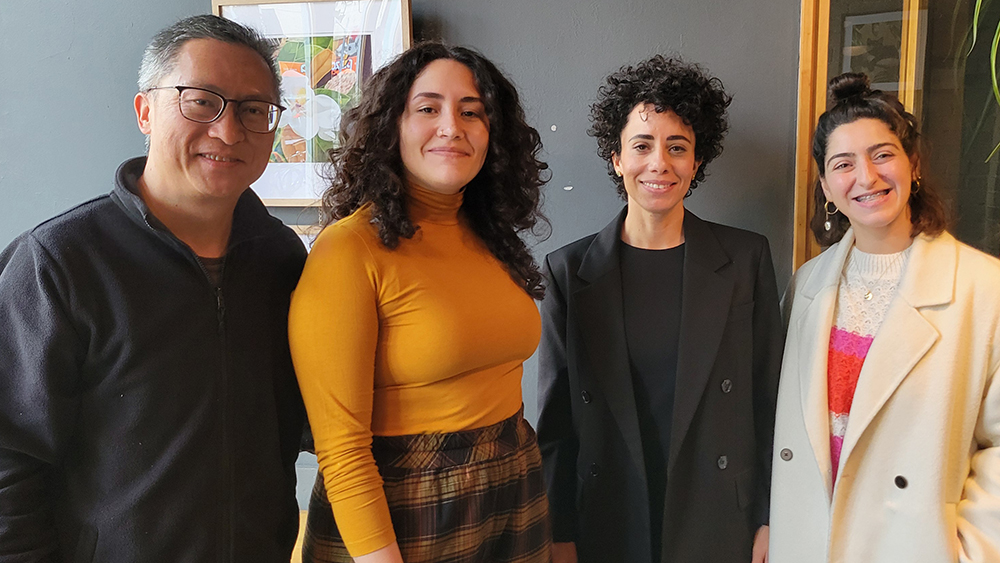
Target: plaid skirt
pixel 459 497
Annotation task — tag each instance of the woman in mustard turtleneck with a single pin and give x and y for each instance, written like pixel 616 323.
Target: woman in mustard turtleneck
pixel 412 319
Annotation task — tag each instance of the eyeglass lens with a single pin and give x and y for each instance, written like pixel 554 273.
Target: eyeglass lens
pixel 203 106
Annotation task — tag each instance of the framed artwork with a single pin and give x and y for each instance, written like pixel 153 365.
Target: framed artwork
pixel 874 45
pixel 326 51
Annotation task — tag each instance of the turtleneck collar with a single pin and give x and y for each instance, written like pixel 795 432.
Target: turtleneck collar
pixel 426 206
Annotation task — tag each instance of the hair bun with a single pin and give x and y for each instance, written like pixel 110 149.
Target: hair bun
pixel 848 85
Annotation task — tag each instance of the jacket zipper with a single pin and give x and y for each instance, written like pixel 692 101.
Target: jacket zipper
pixel 226 445
pixel 220 308
pixel 229 471
pixel 228 478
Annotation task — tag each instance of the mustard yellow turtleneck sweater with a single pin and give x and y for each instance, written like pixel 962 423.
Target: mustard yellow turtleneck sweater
pixel 429 337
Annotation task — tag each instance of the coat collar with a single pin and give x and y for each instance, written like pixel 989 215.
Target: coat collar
pixel 928 280
pixel 602 255
pixel 705 304
pixel 922 284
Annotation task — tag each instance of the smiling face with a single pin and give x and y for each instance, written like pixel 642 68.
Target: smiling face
pixel 867 175
pixel 657 162
pixel 202 161
pixel 443 133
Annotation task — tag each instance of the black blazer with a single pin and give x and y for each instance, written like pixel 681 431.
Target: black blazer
pixel 729 356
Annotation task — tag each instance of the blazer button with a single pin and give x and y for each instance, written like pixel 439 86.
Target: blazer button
pixel 786 454
pixel 594 470
pixel 727 385
pixel 585 396
pixel 723 462
pixel 900 481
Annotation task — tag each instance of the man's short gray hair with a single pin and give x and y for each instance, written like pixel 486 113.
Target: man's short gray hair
pixel 160 55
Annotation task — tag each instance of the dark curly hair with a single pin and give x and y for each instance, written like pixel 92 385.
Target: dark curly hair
pixel 851 98
pixel 665 83
pixel 501 202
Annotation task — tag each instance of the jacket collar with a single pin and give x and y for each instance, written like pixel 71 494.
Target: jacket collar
pixel 922 284
pixel 250 218
pixel 929 279
pixel 827 271
pixel 603 253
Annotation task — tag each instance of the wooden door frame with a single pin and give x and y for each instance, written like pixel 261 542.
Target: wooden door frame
pixel 813 48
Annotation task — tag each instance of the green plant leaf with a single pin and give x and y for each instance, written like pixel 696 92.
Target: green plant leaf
pixel 975 25
pixel 341 99
pixel 293 51
pixel 319 150
pixel 993 77
pixel 993 64
pixel 993 153
pixel 980 123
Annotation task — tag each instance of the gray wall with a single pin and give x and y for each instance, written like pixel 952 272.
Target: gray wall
pixel 66 118
pixel 69 77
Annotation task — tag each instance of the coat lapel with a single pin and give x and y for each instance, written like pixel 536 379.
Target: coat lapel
pixel 603 330
pixel 927 281
pixel 705 304
pixel 812 327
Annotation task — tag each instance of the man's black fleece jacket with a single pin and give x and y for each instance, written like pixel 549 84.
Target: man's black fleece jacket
pixel 146 415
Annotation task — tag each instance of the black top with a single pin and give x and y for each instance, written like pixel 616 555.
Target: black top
pixel 651 297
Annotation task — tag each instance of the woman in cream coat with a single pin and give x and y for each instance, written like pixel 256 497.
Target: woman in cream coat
pixel 887 437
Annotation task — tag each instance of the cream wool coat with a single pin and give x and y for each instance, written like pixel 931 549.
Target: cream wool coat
pixel 919 480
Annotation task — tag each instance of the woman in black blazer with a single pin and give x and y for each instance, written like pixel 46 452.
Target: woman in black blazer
pixel 661 343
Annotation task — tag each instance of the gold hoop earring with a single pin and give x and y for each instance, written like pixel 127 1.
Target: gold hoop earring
pixel 826 207
pixel 915 185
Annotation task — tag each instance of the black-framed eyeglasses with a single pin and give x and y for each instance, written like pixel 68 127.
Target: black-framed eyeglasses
pixel 205 106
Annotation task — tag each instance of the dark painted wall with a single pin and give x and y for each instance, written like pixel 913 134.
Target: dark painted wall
pixel 69 69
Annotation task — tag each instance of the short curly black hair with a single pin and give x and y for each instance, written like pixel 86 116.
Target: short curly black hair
pixel 665 83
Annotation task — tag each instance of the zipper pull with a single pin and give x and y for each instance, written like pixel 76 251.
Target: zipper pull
pixel 220 306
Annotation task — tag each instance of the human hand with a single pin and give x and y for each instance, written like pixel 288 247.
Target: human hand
pixel 388 554
pixel 564 552
pixel 760 541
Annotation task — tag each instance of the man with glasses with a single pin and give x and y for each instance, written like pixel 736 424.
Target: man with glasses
pixel 148 410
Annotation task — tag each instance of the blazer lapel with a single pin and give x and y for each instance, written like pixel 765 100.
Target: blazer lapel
pixel 603 331
pixel 927 281
pixel 705 302
pixel 817 302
